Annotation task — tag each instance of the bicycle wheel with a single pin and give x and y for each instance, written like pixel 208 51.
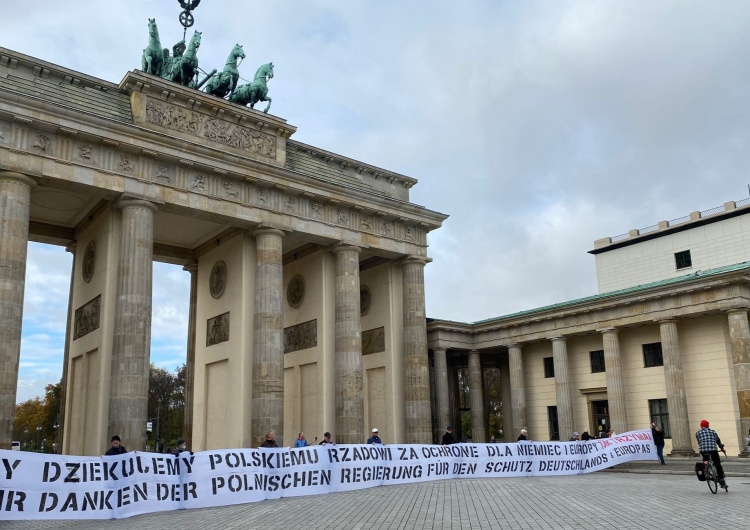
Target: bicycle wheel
pixel 711 480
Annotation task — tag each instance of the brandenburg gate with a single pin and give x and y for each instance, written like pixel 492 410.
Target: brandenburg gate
pixel 307 309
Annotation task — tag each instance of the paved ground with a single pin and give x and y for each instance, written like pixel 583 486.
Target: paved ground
pixel 625 498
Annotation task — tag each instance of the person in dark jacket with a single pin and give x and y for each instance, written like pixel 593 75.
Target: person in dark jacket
pixel 524 436
pixel 658 435
pixel 448 438
pixel 181 447
pixel 270 440
pixel 116 448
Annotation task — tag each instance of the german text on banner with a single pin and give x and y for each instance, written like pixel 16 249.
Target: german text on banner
pixel 39 486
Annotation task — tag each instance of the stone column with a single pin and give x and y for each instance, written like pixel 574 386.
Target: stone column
pixel 60 434
pixel 739 335
pixel 676 401
pixel 618 413
pixel 187 429
pixel 441 388
pixel 350 402
pixel 476 394
pixel 517 389
pixel 131 342
pixel 563 392
pixel 15 205
pixel 267 408
pixel 418 415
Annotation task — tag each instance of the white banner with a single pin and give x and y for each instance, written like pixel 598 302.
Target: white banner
pixel 38 486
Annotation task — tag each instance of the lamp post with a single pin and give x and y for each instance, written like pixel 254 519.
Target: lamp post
pixel 56 426
pixel 39 435
pixel 26 436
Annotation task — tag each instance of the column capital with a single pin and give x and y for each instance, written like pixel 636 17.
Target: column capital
pixel 667 321
pixel 268 231
pixel 20 177
pixel 191 267
pixel 439 348
pixel 558 339
pixel 345 247
pixel 736 310
pixel 515 345
pixel 415 260
pixel 136 203
pixel 608 330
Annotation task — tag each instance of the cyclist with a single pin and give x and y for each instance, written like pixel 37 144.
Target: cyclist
pixel 707 442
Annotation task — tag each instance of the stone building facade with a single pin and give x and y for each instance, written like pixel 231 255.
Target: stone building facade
pixel 667 340
pixel 307 282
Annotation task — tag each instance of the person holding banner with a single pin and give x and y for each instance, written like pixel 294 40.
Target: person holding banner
pixel 374 439
pixel 658 435
pixel 326 439
pixel 301 441
pixel 116 448
pixel 523 437
pixel 448 438
pixel 270 440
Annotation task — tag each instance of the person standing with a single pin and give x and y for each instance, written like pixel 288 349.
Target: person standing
pixel 374 439
pixel 524 436
pixel 707 442
pixel 448 438
pixel 270 440
pixel 116 448
pixel 181 447
pixel 301 441
pixel 326 439
pixel 658 435
pixel 575 437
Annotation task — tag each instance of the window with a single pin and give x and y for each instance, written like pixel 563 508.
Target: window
pixel 652 355
pixel 554 430
pixel 597 361
pixel 659 412
pixel 682 260
pixel 549 367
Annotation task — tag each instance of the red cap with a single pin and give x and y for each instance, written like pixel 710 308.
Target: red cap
pixel 704 423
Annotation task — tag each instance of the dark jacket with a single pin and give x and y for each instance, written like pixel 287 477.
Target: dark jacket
pixel 658 436
pixel 448 439
pixel 269 443
pixel 116 451
pixel 374 440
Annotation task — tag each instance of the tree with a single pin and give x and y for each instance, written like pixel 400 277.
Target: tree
pixel 35 413
pixel 166 401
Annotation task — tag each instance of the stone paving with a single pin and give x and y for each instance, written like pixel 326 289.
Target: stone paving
pixel 594 501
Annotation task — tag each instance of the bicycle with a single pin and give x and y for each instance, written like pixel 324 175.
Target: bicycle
pixel 711 475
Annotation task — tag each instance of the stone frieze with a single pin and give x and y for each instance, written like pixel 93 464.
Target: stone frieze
pixel 87 318
pixel 301 336
pixel 373 341
pixel 209 128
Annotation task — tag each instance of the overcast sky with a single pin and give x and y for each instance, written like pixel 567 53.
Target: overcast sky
pixel 537 126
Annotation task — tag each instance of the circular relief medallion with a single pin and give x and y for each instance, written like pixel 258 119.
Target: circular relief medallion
pixel 218 280
pixel 89 261
pixel 295 293
pixel 364 300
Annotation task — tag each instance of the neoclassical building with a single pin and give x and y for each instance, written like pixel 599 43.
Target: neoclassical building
pixel 665 340
pixel 307 267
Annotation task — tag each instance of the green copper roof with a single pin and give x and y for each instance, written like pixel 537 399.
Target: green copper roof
pixel 630 290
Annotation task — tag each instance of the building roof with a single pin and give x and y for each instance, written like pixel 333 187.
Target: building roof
pixel 620 292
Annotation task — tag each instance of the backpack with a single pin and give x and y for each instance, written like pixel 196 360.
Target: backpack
pixel 700 471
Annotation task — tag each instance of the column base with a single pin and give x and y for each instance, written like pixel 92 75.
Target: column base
pixel 681 453
pixel 744 454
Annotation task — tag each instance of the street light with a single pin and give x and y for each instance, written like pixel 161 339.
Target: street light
pixel 56 426
pixel 26 435
pixel 39 435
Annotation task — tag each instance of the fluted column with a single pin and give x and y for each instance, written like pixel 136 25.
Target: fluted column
pixel 563 392
pixel 15 205
pixel 417 412
pixel 675 384
pixel 128 388
pixel 350 402
pixel 267 407
pixel 476 393
pixel 60 434
pixel 517 390
pixel 192 268
pixel 441 388
pixel 739 335
pixel 618 414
